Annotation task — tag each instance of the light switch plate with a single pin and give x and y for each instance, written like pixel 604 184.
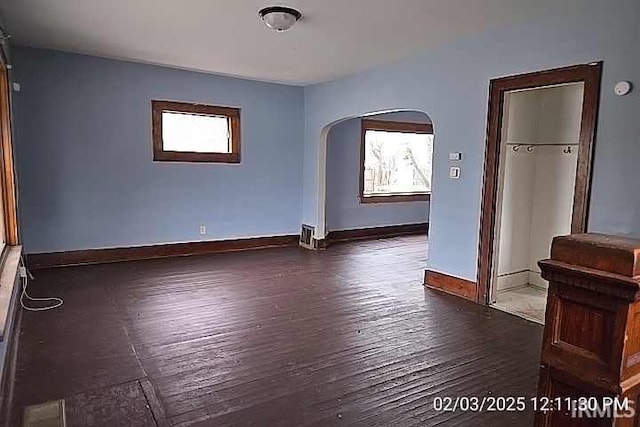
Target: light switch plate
pixel 454 172
pixel 455 156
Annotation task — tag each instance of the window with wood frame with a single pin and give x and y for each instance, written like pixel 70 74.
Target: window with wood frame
pixel 396 161
pixel 184 132
pixel 8 211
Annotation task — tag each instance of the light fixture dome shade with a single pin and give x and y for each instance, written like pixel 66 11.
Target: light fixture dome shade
pixel 279 18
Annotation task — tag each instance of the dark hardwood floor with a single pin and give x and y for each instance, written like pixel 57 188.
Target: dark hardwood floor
pixel 346 336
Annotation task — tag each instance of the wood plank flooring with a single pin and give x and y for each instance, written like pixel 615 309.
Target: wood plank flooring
pixel 277 337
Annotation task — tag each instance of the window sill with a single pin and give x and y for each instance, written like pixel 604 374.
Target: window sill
pixel 189 157
pixel 396 198
pixel 8 275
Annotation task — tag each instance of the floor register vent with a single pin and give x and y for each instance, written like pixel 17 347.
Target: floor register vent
pixel 306 236
pixel 48 414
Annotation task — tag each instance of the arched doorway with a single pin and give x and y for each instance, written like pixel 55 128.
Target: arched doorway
pixel 377 175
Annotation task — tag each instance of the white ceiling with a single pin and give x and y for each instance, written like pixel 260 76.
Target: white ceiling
pixel 334 37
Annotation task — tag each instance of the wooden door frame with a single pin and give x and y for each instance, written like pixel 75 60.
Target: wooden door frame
pixel 590 74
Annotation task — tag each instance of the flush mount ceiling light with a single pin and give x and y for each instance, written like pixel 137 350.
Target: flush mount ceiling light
pixel 279 18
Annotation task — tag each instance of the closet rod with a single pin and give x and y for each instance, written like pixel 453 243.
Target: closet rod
pixel 542 145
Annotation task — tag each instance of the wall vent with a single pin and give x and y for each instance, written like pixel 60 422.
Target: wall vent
pixel 306 236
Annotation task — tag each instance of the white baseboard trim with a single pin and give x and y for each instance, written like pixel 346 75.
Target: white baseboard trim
pixel 512 280
pixel 535 279
pixel 519 279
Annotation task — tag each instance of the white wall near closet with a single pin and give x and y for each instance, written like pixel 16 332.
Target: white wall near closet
pixel 539 179
pixel 548 115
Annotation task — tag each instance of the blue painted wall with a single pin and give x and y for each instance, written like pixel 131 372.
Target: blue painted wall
pixel 344 210
pixel 86 175
pixel 451 85
pixel 84 153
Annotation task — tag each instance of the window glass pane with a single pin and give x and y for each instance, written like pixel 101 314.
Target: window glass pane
pixel 397 162
pixel 195 133
pixel 4 132
pixel 3 234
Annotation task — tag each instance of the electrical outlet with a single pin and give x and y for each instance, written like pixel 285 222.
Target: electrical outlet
pixel 23 272
pixel 203 230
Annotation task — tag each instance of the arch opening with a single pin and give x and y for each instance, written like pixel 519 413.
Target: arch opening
pixel 351 170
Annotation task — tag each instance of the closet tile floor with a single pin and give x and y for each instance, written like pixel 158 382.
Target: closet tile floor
pixel 528 302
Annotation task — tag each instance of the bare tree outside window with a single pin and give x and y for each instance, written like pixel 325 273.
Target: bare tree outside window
pixel 396 162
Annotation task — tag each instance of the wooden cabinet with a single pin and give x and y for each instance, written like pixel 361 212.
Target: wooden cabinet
pixel 591 344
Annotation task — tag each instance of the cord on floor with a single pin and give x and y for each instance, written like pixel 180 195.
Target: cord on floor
pixel 25 275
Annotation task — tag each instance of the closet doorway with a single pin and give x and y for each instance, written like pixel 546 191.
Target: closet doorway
pixel 537 175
